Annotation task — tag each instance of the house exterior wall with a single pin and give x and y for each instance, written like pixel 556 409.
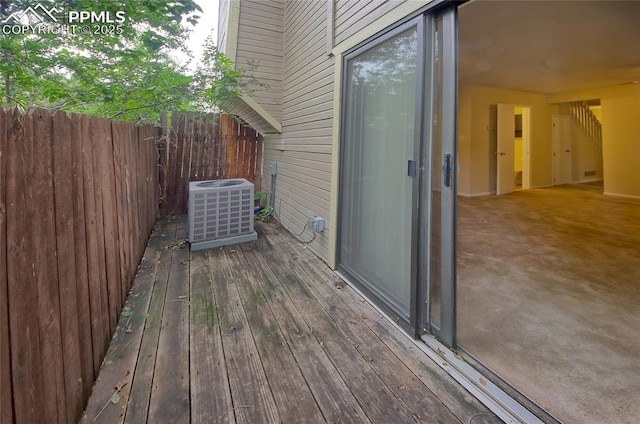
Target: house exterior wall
pixel 352 16
pixel 259 51
pixel 289 40
pixel 303 151
pixel 306 38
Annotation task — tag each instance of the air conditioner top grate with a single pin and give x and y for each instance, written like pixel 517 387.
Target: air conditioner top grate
pixel 220 183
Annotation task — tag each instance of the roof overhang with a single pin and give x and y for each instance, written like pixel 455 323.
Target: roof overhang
pixel 255 115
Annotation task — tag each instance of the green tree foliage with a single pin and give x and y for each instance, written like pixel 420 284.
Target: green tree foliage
pixel 119 70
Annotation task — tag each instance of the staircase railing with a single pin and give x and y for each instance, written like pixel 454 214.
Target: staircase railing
pixel 591 126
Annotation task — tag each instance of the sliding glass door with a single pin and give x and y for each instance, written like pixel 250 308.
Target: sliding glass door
pixel 379 159
pixel 397 173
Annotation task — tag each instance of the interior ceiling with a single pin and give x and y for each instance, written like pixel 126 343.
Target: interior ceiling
pixel 549 46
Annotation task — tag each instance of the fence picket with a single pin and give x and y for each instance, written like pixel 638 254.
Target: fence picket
pixel 80 246
pixel 26 364
pixel 119 143
pixel 41 204
pixel 6 389
pixel 66 263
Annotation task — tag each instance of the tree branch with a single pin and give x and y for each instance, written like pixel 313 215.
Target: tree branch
pixel 122 112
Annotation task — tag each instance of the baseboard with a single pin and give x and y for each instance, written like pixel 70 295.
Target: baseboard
pixel 589 180
pixel 626 196
pixel 544 186
pixel 488 193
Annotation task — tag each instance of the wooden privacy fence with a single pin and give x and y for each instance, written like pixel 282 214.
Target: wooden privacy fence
pixel 78 199
pixel 196 147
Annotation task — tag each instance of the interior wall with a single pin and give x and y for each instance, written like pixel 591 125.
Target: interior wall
pixel 620 106
pixel 477 137
pixel 517 144
pixel 621 161
pixel 464 141
pixel 517 154
pixel 585 156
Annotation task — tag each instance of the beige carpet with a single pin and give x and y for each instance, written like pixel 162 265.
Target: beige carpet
pixel 549 297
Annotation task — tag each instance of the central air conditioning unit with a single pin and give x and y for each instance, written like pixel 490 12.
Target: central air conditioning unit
pixel 220 213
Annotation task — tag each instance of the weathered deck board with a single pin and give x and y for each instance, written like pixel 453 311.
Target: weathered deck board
pixel 460 402
pixel 113 390
pixel 208 368
pixel 380 405
pixel 262 332
pixel 138 407
pixel 290 391
pixel 400 380
pixel 253 401
pixel 170 402
pixel 334 398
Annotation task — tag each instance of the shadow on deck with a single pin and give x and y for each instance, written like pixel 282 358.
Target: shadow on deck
pixel 262 332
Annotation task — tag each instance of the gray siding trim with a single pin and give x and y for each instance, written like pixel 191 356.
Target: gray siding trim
pixel 331 28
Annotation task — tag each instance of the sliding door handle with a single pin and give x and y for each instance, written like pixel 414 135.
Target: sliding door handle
pixel 446 170
pixel 412 168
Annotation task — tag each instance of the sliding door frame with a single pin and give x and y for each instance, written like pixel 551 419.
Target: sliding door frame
pixel 448 163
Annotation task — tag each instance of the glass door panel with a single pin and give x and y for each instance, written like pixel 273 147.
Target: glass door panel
pixel 397 180
pixel 435 186
pixel 378 154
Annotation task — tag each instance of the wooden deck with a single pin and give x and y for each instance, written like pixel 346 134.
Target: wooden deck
pixel 262 332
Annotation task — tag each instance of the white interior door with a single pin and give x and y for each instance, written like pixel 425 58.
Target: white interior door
pixel 561 140
pixel 506 129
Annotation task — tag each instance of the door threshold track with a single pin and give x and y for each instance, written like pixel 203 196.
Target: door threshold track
pixel 492 396
pixel 498 401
